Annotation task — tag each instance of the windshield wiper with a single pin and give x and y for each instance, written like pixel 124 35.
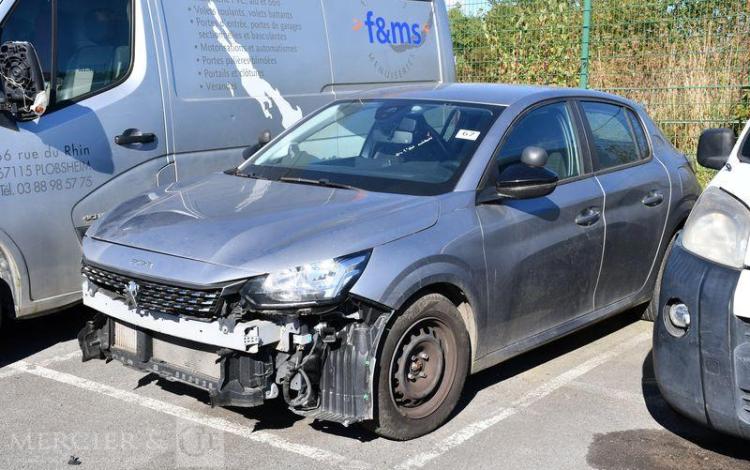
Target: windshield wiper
pixel 241 174
pixel 319 182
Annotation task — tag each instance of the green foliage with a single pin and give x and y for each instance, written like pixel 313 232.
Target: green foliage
pixel 686 61
pixel 524 41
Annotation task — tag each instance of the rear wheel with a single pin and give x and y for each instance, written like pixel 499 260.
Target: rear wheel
pixel 422 369
pixel 652 310
pixel 4 314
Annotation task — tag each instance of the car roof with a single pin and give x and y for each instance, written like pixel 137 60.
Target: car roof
pixel 486 93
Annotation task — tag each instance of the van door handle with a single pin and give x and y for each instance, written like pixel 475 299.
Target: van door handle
pixel 653 199
pixel 589 217
pixel 134 136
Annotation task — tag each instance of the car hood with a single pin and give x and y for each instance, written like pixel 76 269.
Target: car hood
pixel 260 225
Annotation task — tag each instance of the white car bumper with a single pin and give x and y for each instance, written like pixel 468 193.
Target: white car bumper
pixel 241 336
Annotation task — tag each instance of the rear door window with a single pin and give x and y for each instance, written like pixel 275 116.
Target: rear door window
pixel 616 138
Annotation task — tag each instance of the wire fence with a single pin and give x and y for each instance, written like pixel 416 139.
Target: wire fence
pixel 686 61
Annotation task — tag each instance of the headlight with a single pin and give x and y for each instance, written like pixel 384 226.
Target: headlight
pixel 307 285
pixel 718 229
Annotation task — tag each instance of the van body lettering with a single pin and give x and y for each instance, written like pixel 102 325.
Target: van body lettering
pixel 394 32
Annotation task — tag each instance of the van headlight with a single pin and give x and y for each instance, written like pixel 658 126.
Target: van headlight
pixel 718 229
pixel 312 284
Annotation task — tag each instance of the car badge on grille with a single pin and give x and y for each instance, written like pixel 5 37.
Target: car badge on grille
pixel 132 294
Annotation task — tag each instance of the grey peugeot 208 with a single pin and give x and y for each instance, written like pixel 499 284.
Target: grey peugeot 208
pixel 364 262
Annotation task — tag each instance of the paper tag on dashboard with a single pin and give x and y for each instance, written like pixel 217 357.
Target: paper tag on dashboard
pixel 466 134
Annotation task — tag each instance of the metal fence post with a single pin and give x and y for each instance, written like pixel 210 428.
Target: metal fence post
pixel 583 81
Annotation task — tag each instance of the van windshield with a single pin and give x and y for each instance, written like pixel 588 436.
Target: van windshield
pixel 397 146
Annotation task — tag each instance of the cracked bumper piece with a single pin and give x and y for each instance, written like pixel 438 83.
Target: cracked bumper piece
pixel 705 372
pixel 322 369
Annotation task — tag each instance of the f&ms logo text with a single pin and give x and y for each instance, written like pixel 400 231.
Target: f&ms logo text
pixel 398 38
pixel 383 31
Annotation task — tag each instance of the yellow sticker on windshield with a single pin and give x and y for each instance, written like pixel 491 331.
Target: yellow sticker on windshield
pixel 466 134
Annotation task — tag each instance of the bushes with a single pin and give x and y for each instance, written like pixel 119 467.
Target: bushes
pixel 687 61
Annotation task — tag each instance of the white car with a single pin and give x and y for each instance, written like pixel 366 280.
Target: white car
pixel 702 333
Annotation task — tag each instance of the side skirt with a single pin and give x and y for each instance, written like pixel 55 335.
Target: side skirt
pixel 553 334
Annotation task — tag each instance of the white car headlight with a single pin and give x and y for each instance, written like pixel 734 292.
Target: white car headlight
pixel 310 284
pixel 718 229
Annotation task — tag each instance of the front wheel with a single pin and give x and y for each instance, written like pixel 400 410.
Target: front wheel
pixel 423 365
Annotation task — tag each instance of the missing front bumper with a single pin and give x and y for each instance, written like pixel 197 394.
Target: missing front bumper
pixel 338 361
pixel 229 378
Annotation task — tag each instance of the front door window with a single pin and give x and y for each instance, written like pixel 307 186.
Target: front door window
pixel 93 43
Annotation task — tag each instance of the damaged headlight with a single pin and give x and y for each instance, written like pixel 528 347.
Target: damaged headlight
pixel 718 229
pixel 307 285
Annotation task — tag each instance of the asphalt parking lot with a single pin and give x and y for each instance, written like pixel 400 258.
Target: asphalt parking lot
pixel 587 401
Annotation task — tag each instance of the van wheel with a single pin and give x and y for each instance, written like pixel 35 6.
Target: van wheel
pixel 423 366
pixel 7 318
pixel 652 310
pixel 4 314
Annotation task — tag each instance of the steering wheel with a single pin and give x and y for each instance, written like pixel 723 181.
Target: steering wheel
pixel 439 141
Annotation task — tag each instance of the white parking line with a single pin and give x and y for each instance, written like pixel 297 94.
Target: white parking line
pixel 609 392
pixel 468 432
pixel 219 424
pixel 12 369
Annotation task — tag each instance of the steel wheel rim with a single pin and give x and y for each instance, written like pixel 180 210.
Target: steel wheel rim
pixel 423 368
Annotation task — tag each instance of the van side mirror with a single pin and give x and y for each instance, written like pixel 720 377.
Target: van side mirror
pixel 264 138
pixel 527 179
pixel 715 146
pixel 23 93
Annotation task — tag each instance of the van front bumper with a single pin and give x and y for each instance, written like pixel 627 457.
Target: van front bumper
pixel 705 373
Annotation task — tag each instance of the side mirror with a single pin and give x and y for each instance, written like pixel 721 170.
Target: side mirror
pixel 715 146
pixel 264 138
pixel 527 179
pixel 23 93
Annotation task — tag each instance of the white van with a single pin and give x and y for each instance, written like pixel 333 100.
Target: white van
pixel 702 333
pixel 103 100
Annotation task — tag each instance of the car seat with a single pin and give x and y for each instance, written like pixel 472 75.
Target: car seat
pixel 102 61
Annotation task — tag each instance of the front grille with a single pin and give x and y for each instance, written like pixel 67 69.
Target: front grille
pixel 155 297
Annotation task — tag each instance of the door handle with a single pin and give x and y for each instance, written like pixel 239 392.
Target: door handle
pixel 653 199
pixel 134 136
pixel 589 217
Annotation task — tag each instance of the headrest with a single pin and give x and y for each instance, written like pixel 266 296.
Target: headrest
pixel 402 137
pixel 408 124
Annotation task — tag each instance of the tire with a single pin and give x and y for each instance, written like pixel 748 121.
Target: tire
pixel 652 310
pixel 4 315
pixel 7 318
pixel 423 365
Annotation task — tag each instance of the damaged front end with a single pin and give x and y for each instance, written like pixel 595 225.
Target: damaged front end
pixel 320 357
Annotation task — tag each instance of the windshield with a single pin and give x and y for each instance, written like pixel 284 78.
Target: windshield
pixel 398 146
